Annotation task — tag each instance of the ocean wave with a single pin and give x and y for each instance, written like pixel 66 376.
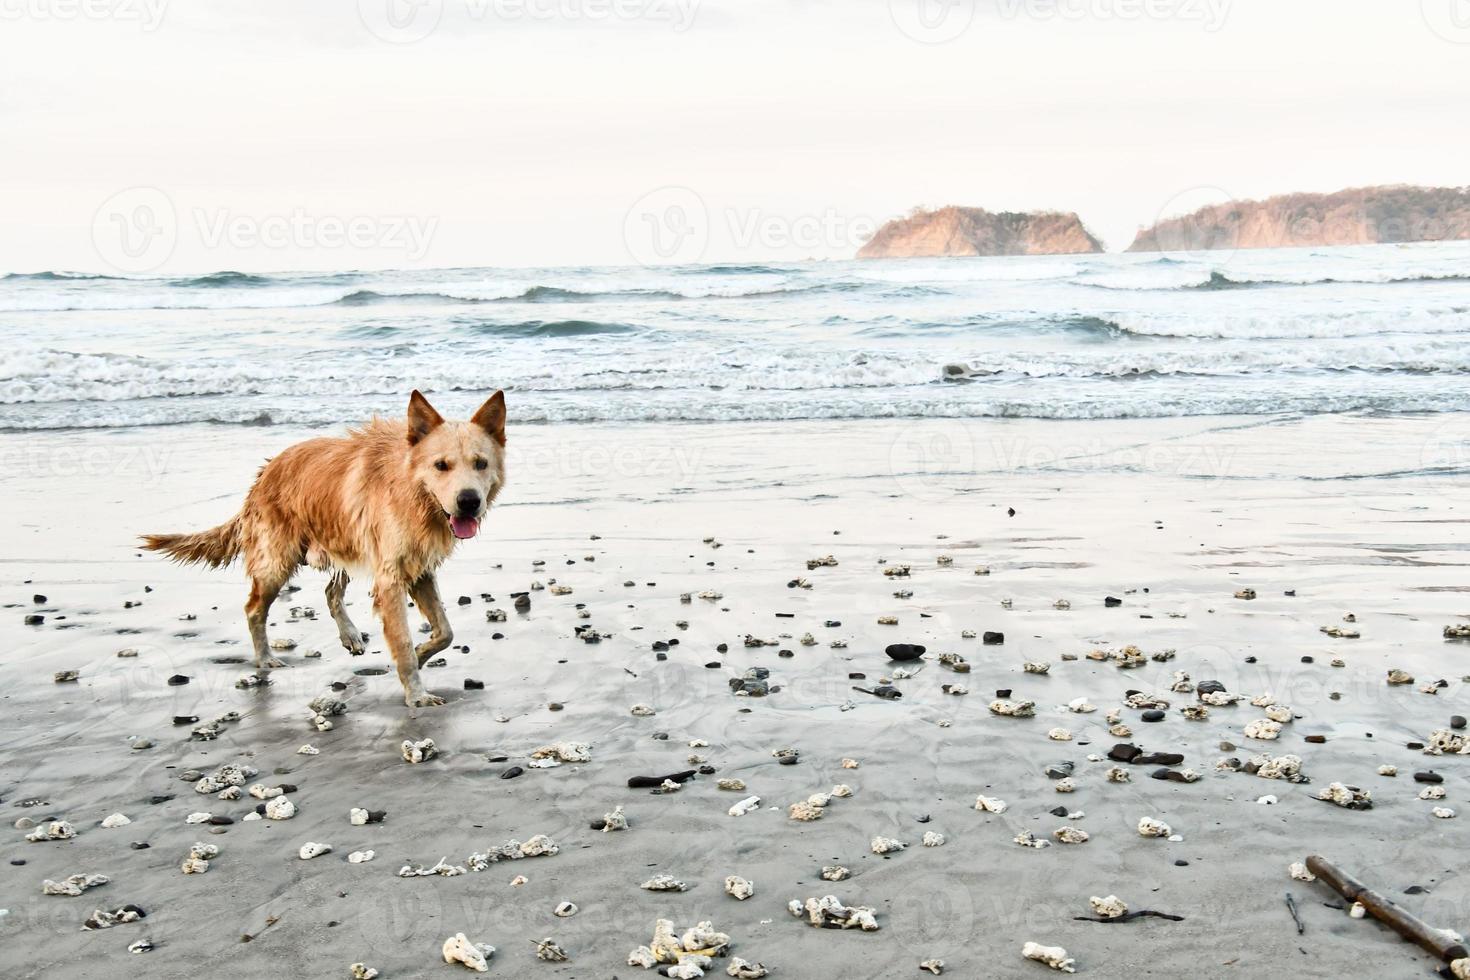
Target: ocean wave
pixel 1217 281
pixel 48 275
pixel 216 280
pixel 636 365
pixel 1262 326
pixel 676 406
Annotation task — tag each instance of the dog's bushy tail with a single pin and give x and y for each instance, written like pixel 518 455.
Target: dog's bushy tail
pixel 216 547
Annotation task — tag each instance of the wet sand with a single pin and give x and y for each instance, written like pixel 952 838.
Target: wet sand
pixel 1172 517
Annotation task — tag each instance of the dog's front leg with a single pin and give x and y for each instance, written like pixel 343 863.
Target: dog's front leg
pixel 425 594
pixel 391 602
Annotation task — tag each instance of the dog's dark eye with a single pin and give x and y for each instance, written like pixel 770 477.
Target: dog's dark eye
pixel 481 464
pixel 441 466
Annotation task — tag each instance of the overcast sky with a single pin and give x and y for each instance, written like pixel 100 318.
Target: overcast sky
pixel 148 136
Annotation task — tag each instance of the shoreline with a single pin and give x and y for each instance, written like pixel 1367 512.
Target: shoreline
pixel 1281 516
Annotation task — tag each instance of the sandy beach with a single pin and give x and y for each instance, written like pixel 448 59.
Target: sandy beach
pixel 1172 517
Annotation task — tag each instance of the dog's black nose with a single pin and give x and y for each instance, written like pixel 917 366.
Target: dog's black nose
pixel 468 503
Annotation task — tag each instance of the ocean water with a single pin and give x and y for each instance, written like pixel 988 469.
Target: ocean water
pixel 1377 329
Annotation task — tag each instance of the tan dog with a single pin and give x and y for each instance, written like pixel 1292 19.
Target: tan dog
pixel 388 501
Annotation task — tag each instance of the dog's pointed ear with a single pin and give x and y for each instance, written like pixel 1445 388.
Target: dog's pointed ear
pixel 422 419
pixel 491 417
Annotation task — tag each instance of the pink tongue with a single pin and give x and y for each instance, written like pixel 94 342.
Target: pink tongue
pixel 464 527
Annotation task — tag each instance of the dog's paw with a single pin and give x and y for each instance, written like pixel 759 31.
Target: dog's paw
pixel 355 643
pixel 423 700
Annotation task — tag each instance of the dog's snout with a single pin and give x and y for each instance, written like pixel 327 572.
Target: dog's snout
pixel 468 502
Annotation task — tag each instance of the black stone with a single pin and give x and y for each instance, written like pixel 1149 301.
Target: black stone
pixel 513 772
pixel 185 719
pixel 1457 722
pixel 1059 770
pixel 1428 777
pixel 1160 759
pixel 1154 714
pixel 140 845
pixel 1209 687
pixel 470 684
pixel 1169 774
pixel 1124 752
pixel 1112 601
pixel 904 651
pixel 38 599
pixel 993 639
pixel 1059 811
pixel 35 619
pixel 1002 692
pixel 178 680
pixel 654 782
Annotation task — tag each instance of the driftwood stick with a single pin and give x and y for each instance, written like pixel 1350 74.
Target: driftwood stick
pixel 1384 910
pixel 1291 907
pixel 1130 916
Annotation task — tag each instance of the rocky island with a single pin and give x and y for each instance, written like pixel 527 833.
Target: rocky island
pixel 957 231
pixel 1357 216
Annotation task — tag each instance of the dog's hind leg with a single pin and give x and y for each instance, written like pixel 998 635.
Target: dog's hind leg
pixel 425 593
pixel 389 598
pixel 263 592
pixel 353 639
